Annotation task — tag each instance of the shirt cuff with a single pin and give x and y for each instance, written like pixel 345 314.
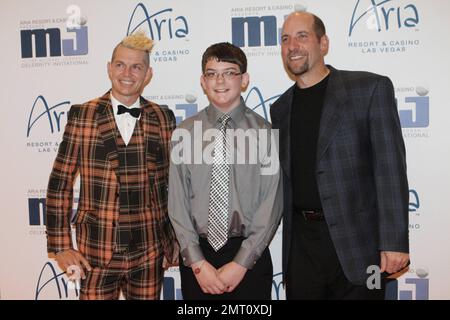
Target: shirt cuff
pixel 192 254
pixel 246 258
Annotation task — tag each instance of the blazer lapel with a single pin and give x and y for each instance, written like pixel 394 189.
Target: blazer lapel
pixel 107 129
pixel 334 105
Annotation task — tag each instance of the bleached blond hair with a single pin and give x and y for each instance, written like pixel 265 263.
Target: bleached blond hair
pixel 136 41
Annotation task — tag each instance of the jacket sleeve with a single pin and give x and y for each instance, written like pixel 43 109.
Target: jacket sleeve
pixel 60 186
pixel 169 241
pixel 389 165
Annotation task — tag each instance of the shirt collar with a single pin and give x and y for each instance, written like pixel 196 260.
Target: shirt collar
pixel 236 114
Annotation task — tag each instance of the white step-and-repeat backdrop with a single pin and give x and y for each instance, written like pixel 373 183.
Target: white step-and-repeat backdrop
pixel 54 54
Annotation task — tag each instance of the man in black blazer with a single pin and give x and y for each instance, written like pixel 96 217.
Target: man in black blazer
pixel 343 160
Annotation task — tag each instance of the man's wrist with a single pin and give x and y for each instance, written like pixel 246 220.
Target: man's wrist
pixel 197 266
pixel 60 251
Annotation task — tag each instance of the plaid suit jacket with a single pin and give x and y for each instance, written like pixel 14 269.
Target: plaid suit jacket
pixel 89 149
pixel 360 170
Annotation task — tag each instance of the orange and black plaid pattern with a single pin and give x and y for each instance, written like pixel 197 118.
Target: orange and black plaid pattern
pixel 137 276
pixel 89 149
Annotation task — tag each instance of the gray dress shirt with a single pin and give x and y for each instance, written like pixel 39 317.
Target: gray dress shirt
pixel 256 200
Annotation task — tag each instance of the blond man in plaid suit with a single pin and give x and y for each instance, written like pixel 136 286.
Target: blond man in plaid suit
pixel 119 146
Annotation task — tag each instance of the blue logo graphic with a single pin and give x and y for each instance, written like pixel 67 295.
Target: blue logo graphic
pixel 58 47
pixel 54 118
pixel 262 103
pixel 36 211
pixel 59 281
pixel 160 24
pixel 254 24
pixel 277 285
pixel 50 280
pixel 254 100
pixel 419 289
pixel 414 203
pixel 169 291
pixel 385 13
pixel 189 110
pixel 419 114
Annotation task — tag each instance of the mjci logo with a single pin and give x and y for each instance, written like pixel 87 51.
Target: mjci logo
pixel 412 289
pixel 36 211
pixel 58 47
pixel 418 113
pixel 253 35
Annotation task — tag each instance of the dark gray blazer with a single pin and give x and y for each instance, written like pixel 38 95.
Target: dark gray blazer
pixel 360 170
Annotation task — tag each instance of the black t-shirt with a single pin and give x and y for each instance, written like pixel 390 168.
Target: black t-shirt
pixel 305 122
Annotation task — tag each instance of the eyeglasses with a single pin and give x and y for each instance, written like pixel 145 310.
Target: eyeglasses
pixel 226 75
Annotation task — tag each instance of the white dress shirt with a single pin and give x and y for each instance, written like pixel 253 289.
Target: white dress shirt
pixel 125 121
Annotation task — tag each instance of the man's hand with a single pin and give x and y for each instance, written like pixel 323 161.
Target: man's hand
pixel 167 264
pixel 392 262
pixel 208 277
pixel 71 257
pixel 173 260
pixel 232 274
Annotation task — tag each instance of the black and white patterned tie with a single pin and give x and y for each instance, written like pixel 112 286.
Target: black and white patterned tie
pixel 219 190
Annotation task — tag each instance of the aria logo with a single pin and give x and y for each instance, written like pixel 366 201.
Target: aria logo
pixel 261 105
pixel 277 286
pixel 383 15
pixel 41 111
pixel 413 208
pixel 52 282
pixel 414 202
pixel 161 25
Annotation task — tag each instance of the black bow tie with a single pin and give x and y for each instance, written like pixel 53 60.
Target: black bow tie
pixel 135 112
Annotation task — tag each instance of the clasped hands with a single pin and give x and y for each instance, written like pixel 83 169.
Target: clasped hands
pixel 218 281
